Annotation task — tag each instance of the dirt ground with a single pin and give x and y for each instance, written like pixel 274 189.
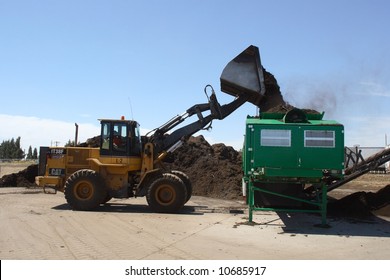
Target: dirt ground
pixel 42 226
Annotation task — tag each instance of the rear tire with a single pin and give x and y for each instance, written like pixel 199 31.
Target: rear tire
pixel 167 194
pixel 186 180
pixel 84 190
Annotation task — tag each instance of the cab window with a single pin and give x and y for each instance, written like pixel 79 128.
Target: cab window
pixel 106 133
pixel 119 138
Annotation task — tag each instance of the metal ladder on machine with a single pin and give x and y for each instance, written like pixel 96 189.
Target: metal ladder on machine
pixel 360 166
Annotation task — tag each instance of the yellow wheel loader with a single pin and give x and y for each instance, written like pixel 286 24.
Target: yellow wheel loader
pixel 130 165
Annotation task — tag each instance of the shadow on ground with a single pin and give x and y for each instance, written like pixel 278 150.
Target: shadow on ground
pixel 140 208
pixel 310 224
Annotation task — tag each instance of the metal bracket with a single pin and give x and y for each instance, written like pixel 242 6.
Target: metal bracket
pixel 48 189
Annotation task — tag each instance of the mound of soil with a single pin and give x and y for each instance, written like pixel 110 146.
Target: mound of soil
pixel 360 204
pixel 24 178
pixel 93 142
pixel 214 170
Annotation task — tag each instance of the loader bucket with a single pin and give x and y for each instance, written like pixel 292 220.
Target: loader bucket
pixel 244 76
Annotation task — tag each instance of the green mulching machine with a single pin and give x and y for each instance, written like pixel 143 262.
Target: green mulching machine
pixel 283 154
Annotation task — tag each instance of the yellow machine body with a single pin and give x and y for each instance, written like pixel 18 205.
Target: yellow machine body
pixel 62 162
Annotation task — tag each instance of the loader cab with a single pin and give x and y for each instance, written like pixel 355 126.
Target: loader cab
pixel 120 138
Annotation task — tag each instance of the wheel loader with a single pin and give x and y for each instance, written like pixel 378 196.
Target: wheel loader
pixel 130 165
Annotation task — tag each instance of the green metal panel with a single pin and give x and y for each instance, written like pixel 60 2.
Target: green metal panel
pixel 274 149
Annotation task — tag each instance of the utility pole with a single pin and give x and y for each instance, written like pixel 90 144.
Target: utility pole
pixel 55 143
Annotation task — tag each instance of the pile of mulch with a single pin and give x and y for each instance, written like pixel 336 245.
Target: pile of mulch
pixel 360 204
pixel 214 170
pixel 93 142
pixel 24 178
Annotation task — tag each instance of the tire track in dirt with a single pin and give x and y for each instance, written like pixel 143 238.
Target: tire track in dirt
pixel 28 230
pixel 172 248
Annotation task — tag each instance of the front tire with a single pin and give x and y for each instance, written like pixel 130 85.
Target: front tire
pixel 167 194
pixel 84 190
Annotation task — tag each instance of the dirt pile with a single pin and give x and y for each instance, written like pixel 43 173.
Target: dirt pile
pixel 24 178
pixel 360 204
pixel 214 170
pixel 93 142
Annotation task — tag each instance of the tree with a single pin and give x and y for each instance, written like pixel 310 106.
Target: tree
pixel 18 152
pixel 70 143
pixel 35 154
pixel 29 153
pixel 10 149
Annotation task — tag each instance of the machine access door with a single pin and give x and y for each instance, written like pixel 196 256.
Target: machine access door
pixel 114 139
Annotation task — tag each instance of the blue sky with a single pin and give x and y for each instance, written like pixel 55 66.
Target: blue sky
pixel 71 61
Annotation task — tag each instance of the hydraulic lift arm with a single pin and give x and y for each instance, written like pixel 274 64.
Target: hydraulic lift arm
pixel 168 142
pixel 242 78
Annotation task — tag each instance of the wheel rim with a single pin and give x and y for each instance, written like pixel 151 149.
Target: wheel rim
pixel 84 190
pixel 165 194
